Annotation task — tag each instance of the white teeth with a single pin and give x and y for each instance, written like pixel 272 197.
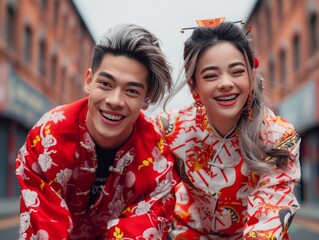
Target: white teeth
pixel 111 117
pixel 226 98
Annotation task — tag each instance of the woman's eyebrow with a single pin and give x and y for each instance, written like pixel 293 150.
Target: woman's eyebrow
pixel 236 64
pixel 209 68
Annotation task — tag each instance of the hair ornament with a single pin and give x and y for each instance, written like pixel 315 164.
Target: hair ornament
pixel 212 22
pixel 249 30
pixel 256 62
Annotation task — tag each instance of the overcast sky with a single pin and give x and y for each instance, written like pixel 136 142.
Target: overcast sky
pixel 164 18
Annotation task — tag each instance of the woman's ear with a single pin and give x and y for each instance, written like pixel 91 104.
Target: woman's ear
pixel 253 78
pixel 191 85
pixel 88 80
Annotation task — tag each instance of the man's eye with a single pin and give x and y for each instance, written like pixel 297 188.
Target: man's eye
pixel 133 91
pixel 105 84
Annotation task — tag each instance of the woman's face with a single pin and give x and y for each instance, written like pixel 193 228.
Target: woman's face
pixel 222 81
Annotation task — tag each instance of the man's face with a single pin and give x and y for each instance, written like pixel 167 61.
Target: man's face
pixel 117 92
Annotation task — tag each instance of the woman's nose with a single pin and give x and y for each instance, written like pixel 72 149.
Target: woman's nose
pixel 226 82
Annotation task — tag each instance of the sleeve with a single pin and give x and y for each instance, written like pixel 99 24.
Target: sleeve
pixel 150 216
pixel 272 205
pixel 43 213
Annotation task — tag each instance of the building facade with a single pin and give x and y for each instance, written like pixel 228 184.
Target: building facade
pixel 45 49
pixel 285 36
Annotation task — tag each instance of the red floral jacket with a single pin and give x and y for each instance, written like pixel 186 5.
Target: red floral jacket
pixel 56 169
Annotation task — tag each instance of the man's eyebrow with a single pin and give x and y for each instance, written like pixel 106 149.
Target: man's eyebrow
pixel 131 83
pixel 107 75
pixel 136 84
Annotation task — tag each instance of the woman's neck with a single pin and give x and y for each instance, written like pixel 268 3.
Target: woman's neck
pixel 223 126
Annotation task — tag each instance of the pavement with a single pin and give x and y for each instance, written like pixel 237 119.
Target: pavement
pixel 9 207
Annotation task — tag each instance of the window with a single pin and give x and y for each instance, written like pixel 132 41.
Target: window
pixel 10 34
pixel 283 70
pixel 269 26
pixel 53 69
pixel 271 74
pixel 44 4
pixel 56 12
pixel 280 8
pixel 313 28
pixel 27 47
pixel 63 84
pixel 296 51
pixel 42 52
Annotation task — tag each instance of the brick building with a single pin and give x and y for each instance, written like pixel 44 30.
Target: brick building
pixel 45 49
pixel 285 37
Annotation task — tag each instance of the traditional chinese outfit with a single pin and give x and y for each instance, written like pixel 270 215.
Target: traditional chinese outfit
pixel 56 170
pixel 219 197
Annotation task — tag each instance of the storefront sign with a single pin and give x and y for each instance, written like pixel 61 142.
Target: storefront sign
pixel 25 104
pixel 301 107
pixel 3 84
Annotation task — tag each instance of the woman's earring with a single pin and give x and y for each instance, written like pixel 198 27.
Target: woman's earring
pixel 200 114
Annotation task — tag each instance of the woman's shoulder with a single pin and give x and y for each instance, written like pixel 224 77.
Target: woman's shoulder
pixel 275 121
pixel 175 114
pixel 277 129
pixel 173 119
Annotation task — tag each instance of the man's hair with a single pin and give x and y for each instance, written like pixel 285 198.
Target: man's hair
pixel 140 44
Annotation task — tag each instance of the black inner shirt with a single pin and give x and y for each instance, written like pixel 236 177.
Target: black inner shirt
pixel 105 159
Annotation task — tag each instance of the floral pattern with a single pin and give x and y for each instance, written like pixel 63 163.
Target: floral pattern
pixel 56 170
pixel 219 197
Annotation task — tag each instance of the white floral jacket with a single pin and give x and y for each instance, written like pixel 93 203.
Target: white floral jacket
pixel 219 196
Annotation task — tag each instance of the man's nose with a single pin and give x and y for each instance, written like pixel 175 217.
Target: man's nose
pixel 115 98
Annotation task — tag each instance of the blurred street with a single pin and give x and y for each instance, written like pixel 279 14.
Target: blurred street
pixel 44 49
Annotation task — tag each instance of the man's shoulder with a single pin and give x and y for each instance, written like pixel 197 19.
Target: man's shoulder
pixel 62 118
pixel 144 122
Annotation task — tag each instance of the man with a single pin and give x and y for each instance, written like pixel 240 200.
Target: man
pixel 96 168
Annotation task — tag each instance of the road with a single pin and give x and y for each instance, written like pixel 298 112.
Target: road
pixel 304 229
pixel 301 229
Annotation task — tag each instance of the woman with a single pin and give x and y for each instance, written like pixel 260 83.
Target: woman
pixel 238 162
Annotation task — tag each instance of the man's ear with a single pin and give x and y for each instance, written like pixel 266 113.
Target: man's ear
pixel 145 106
pixel 88 80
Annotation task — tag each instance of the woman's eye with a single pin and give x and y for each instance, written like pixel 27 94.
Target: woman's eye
pixel 238 72
pixel 210 76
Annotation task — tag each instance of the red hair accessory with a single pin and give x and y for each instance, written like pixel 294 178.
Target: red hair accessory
pixel 256 62
pixel 213 22
pixel 249 30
